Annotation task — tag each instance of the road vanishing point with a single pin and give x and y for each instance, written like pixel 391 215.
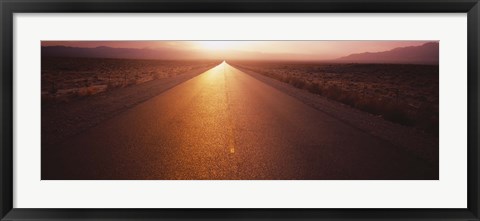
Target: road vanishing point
pixel 226 125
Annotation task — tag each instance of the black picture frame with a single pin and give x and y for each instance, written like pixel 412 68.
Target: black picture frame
pixel 9 7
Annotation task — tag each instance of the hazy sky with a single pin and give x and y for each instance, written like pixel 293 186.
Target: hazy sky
pixel 319 49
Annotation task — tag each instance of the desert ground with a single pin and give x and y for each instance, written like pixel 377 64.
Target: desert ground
pixel 65 79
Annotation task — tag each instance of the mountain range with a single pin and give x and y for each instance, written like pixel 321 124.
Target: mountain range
pixel 427 53
pixel 109 52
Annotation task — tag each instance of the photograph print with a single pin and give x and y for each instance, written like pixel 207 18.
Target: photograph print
pixel 240 110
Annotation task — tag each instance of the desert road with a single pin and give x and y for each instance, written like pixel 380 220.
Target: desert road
pixel 225 124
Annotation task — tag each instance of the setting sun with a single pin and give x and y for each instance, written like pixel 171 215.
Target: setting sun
pixel 218 45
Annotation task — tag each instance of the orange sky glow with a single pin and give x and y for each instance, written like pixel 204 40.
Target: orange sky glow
pixel 251 49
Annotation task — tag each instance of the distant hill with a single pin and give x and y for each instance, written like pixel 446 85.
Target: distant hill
pixel 163 53
pixel 424 54
pixel 108 52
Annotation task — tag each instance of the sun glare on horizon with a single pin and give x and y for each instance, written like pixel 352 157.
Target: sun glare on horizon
pixel 218 45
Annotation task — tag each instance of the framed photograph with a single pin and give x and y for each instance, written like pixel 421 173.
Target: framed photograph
pixel 239 110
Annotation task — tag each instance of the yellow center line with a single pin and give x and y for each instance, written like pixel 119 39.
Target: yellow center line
pixel 229 127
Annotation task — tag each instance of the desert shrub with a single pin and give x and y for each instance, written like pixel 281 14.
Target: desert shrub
pixel 333 92
pixel 297 82
pixel 348 98
pixel 370 104
pixel 275 76
pixel 287 79
pixel 314 88
pixel 397 113
pixel 389 110
pixel 427 119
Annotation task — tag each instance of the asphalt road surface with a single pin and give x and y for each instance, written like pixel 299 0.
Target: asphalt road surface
pixel 225 124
